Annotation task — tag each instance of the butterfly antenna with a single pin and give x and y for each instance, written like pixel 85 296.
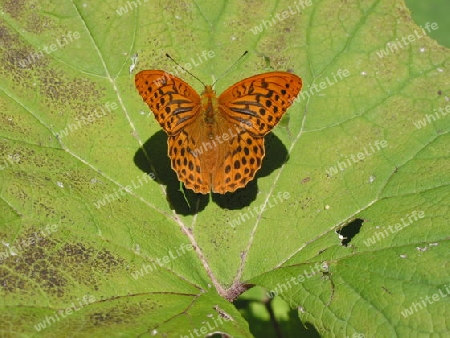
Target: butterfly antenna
pixel 195 77
pixel 229 69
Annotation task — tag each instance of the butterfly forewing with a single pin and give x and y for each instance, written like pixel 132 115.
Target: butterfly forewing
pixel 258 102
pixel 174 103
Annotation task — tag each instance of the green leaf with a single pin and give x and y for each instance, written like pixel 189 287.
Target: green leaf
pixel 96 237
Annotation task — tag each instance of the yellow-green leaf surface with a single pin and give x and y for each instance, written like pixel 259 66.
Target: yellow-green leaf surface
pixel 347 220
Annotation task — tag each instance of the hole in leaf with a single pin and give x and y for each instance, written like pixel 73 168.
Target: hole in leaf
pixel 347 232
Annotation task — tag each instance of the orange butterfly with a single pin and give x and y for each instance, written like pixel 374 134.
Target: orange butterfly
pixel 217 144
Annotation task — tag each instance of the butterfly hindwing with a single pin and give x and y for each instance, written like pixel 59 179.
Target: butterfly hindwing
pixel 186 161
pixel 242 157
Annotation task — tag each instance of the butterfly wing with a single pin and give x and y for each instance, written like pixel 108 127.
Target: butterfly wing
pixel 252 107
pixel 188 162
pixel 239 159
pixel 174 103
pixel 258 102
pixel 176 106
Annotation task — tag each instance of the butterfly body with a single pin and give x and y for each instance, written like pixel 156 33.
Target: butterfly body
pixel 209 104
pixel 217 143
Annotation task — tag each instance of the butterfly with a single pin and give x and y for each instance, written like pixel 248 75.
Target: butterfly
pixel 216 144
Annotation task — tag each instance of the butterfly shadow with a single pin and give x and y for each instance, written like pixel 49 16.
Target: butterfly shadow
pixel 153 159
